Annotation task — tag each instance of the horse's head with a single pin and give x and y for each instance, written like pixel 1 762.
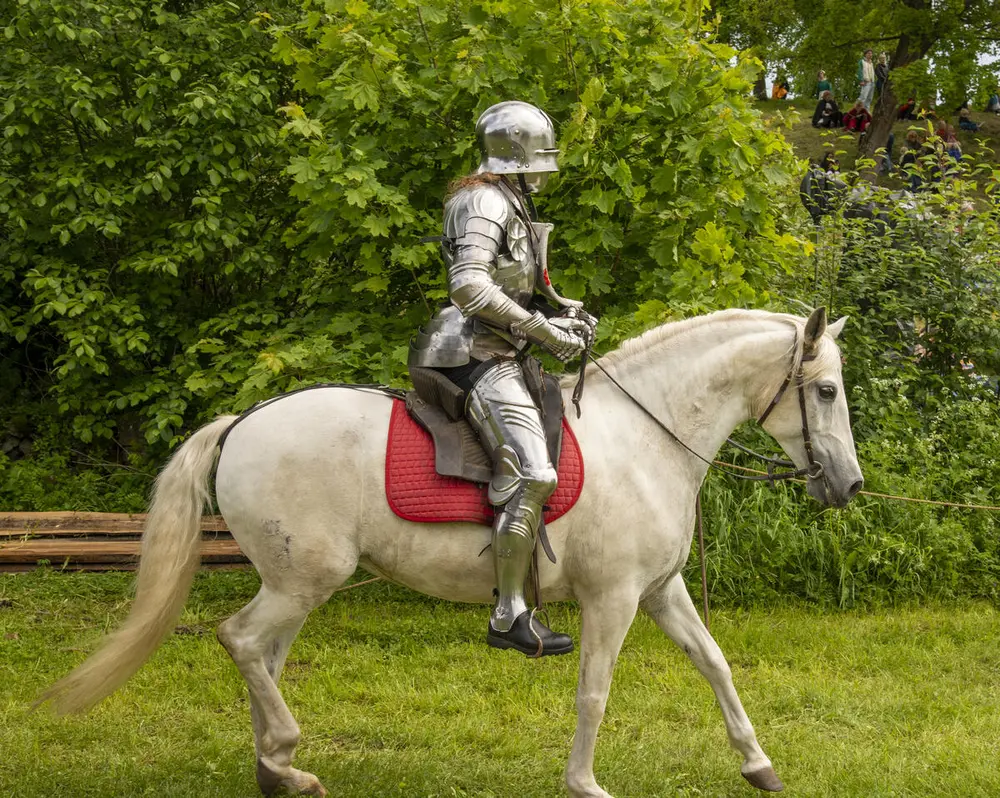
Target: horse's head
pixel 812 414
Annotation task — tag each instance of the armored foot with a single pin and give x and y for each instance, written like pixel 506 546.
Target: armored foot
pixel 531 637
pixel 274 780
pixel 765 779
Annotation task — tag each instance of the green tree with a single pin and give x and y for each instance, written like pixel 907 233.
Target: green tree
pixel 764 29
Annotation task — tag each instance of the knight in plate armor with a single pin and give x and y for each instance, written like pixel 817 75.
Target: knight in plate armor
pixel 495 254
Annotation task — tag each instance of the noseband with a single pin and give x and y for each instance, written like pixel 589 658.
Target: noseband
pixel 814 470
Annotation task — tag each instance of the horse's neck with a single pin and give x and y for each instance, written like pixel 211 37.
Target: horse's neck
pixel 704 383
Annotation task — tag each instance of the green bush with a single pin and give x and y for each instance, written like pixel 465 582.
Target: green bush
pixel 142 203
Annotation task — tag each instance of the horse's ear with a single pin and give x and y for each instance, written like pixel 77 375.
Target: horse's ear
pixel 815 327
pixel 837 327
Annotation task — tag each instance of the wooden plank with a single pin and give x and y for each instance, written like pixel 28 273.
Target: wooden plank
pixel 102 551
pixel 74 524
pixel 93 534
pixel 23 568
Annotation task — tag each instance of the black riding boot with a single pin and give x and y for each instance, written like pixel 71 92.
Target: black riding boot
pixel 531 637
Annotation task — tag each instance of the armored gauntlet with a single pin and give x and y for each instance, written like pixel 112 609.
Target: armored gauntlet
pixel 563 341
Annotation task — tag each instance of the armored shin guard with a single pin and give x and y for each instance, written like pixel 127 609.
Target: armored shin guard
pixel 513 543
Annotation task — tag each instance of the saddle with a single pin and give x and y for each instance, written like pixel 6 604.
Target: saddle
pixel 437 471
pixel 438 405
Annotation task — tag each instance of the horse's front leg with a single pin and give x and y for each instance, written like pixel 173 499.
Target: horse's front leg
pixel 606 620
pixel 672 609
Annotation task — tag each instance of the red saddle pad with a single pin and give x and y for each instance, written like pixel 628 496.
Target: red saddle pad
pixel 416 492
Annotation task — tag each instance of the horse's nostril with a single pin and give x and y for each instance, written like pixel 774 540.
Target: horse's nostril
pixel 853 491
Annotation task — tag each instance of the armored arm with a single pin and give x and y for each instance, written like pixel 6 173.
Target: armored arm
pixel 471 286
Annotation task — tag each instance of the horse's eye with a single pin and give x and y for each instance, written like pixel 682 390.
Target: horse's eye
pixel 827 392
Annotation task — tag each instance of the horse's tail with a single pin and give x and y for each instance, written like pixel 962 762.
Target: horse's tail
pixel 169 559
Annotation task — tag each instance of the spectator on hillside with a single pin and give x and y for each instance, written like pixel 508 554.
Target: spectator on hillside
pixel 881 72
pixel 993 105
pixel 907 110
pixel 821 189
pixel 778 91
pixel 858 118
pixel 965 120
pixel 822 85
pixel 866 78
pixel 827 114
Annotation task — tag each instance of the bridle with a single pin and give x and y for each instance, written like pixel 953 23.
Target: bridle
pixel 814 470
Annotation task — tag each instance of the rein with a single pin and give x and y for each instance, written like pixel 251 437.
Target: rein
pixel 814 470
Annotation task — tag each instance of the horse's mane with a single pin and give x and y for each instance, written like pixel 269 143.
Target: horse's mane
pixel 664 333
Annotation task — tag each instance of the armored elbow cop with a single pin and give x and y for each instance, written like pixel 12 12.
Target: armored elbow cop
pixel 564 344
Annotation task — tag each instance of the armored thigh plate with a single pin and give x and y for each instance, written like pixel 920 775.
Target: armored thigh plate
pixel 508 422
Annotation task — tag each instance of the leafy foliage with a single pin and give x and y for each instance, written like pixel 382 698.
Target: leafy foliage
pixel 191 224
pixel 669 181
pixel 921 368
pixel 142 195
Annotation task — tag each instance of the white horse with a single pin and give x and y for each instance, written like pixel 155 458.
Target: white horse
pixel 301 484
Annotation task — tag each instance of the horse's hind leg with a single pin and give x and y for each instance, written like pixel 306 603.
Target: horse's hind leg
pixel 258 638
pixel 606 620
pixel 672 609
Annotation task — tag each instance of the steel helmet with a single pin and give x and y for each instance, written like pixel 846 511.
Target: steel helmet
pixel 516 137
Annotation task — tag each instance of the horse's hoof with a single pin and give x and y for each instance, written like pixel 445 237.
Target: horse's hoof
pixel 294 782
pixel 765 779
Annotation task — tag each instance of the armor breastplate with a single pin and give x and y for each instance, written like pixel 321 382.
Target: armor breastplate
pixel 450 339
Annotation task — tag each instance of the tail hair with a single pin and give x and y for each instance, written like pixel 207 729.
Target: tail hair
pixel 168 560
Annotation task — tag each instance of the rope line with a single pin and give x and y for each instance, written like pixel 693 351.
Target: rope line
pixel 359 584
pixel 892 496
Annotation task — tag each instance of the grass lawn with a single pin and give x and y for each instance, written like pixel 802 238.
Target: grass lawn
pixel 398 696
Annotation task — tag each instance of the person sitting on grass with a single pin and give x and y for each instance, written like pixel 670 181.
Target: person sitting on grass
pixel 965 121
pixel 858 118
pixel 822 84
pixel 907 110
pixel 993 105
pixel 827 114
pixel 778 91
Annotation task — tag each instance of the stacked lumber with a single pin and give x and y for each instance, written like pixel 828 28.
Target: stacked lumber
pixel 97 541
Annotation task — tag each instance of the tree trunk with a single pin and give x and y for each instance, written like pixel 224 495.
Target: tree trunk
pixel 885 107
pixel 883 118
pixel 884 115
